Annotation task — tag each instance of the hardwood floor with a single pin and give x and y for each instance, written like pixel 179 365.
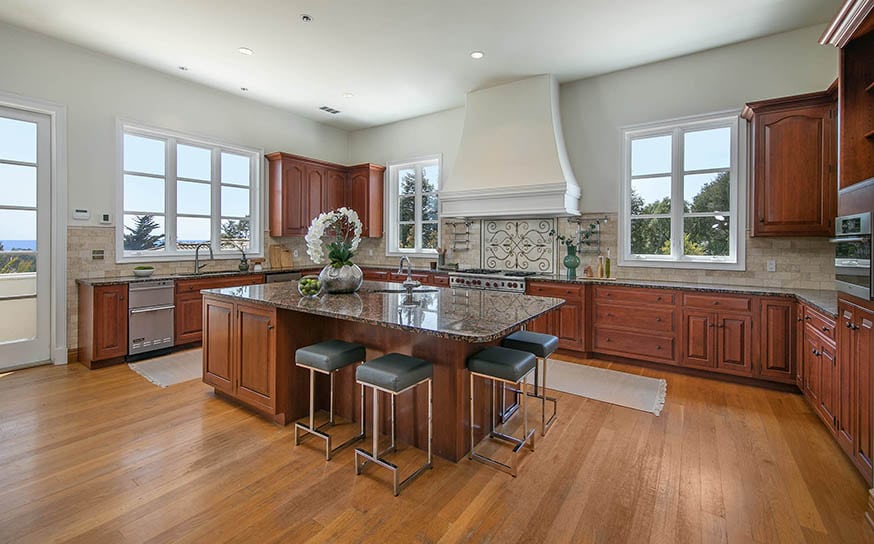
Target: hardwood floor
pixel 105 456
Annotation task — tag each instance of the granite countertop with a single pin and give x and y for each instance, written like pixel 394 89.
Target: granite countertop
pixel 467 315
pixel 825 300
pixel 115 280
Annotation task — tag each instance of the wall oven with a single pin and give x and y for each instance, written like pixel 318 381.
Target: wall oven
pixel 853 255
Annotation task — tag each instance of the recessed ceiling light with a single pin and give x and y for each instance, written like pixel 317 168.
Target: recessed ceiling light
pixel 348 95
pixel 477 55
pixel 183 68
pixel 244 89
pixel 306 18
pixel 246 51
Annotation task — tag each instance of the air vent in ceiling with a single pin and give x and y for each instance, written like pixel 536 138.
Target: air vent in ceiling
pixel 330 110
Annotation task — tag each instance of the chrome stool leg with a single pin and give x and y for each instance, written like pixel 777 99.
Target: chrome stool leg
pixel 527 435
pixel 301 429
pixel 375 456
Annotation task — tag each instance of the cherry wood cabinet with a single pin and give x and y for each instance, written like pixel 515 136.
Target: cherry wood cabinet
pixel 856 356
pixel 103 319
pixel 241 355
pixel 635 323
pixel 778 339
pixel 364 194
pixel 567 323
pixel 794 152
pixel 718 333
pixel 188 323
pixel 302 188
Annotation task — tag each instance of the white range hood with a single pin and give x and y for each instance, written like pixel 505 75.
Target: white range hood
pixel 512 160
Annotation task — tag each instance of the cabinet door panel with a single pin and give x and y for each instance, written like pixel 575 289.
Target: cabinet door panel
pixel 334 193
pixel 777 331
pixel 189 318
pixel 569 328
pixel 700 339
pixel 542 324
pixel 218 350
pixel 793 156
pixel 735 344
pixel 256 369
pixel 863 354
pixel 110 321
pixel 828 393
pixel 293 197
pixel 812 368
pixel 315 184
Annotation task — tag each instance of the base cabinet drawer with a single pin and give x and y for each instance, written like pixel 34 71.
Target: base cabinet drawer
pixel 633 295
pixel 653 319
pixel 635 345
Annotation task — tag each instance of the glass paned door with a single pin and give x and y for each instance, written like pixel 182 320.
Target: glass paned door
pixel 25 238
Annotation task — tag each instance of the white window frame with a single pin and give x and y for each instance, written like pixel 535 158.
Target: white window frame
pixel 171 139
pixel 392 218
pixel 736 260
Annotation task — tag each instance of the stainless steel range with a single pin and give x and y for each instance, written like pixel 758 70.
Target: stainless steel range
pixel 512 281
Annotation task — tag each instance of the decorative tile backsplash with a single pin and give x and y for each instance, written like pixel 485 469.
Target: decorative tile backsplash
pixel 518 244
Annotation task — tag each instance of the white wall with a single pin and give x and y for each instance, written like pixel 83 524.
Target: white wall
pixel 594 109
pixel 97 88
pixel 426 135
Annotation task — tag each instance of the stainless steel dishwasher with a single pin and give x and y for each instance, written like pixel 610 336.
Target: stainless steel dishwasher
pixel 150 317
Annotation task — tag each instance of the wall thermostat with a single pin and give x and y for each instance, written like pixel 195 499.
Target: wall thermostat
pixel 81 215
pixel 105 218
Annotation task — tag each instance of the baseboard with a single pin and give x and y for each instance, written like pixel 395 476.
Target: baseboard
pixel 73 355
pixel 869 514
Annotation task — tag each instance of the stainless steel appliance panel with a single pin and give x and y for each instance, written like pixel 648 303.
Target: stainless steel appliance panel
pixel 853 273
pixel 151 316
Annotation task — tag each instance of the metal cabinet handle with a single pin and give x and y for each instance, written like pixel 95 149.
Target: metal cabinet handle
pixel 269 327
pixel 824 328
pixel 807 318
pixel 716 303
pixel 658 320
pixel 848 325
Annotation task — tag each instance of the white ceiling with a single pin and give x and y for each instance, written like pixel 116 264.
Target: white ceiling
pixel 400 58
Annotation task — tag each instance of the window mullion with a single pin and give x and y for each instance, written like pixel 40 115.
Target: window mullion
pixel 170 197
pixel 215 201
pixel 677 194
pixel 417 213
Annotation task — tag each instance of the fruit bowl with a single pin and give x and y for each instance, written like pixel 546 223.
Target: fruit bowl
pixel 309 286
pixel 144 271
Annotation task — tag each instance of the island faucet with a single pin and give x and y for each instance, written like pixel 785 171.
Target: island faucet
pixel 197 265
pixel 409 283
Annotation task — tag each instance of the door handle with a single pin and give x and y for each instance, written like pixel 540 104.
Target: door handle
pixel 151 309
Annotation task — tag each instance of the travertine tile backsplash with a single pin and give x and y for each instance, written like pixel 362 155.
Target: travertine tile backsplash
pixel 803 263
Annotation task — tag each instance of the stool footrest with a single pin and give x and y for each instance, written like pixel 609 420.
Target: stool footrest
pixel 317 432
pixel 397 485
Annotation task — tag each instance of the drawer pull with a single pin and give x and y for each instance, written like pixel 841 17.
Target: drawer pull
pixel 659 298
pixel 609 314
pixel 608 339
pixel 824 328
pixel 658 348
pixel 716 303
pixel 658 320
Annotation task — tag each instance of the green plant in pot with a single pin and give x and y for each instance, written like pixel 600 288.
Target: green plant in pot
pixel 342 228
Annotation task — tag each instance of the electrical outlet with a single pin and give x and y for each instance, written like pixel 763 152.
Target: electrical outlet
pixel 296 253
pixel 370 253
pixel 772 265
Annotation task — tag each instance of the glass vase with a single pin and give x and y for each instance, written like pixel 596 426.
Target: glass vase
pixel 346 279
pixel 571 262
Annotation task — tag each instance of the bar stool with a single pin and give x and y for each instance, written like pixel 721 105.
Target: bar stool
pixel 541 346
pixel 508 366
pixel 394 374
pixel 327 357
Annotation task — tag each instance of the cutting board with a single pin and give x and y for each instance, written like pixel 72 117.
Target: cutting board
pixel 280 257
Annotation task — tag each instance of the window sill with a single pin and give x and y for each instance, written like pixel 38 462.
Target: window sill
pixel 738 266
pixel 413 254
pixel 183 257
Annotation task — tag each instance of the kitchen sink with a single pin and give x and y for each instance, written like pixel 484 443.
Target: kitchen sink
pixel 416 290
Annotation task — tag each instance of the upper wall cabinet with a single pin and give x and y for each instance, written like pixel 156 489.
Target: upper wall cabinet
pixel 302 188
pixel 853 31
pixel 793 166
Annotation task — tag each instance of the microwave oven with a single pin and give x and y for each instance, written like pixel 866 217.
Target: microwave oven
pixel 853 255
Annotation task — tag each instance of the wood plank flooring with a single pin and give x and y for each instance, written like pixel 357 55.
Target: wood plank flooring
pixel 104 456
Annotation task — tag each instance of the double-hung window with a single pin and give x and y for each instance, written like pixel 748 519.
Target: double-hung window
pixel 681 195
pixel 177 192
pixel 413 207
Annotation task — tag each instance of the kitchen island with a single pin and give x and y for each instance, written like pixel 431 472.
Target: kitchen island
pixel 250 334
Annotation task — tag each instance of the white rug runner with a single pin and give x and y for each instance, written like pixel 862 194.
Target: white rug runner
pixel 620 388
pixel 171 369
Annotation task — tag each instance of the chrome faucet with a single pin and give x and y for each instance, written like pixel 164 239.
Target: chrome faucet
pixel 197 265
pixel 409 283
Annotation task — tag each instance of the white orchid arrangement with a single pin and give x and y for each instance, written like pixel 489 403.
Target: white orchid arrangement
pixel 344 226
